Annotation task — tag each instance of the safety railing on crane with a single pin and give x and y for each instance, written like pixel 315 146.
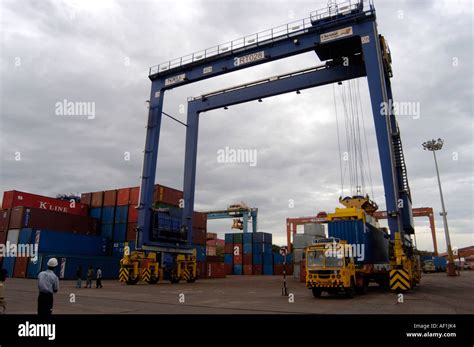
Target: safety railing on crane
pixel 331 12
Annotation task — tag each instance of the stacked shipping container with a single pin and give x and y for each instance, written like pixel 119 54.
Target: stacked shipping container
pixel 251 254
pixel 312 231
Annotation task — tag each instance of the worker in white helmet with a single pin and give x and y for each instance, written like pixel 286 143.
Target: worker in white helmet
pixel 48 284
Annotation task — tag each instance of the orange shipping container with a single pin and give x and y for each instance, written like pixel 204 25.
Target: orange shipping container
pixel 134 196
pixel 110 198
pixel 131 231
pixel 132 214
pixel 248 270
pixel 278 269
pixel 257 269
pixel 228 269
pixel 123 196
pixel 237 259
pixel 97 199
pixel 215 270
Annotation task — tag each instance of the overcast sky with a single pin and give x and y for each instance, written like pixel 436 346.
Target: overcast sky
pixel 100 52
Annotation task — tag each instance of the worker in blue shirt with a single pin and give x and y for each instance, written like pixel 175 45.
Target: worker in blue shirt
pixel 48 283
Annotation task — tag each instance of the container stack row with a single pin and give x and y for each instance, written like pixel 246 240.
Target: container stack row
pixel 35 227
pixel 251 254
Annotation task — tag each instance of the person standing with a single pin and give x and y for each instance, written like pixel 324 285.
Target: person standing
pixel 48 283
pixel 79 277
pixel 99 278
pixel 90 276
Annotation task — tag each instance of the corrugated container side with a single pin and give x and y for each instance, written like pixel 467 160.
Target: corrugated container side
pixel 132 214
pixel 267 259
pixel 200 253
pixel 238 238
pixel 268 269
pixel 123 196
pixel 121 214
pixel 8 264
pixel 131 231
pixel 108 215
pixel 34 267
pixel 228 259
pixel 257 270
pixel 258 248
pixel 277 259
pixel 248 248
pixel 97 199
pixel 248 270
pixel 248 238
pixel 120 232
pixel 267 238
pixel 289 269
pixel 257 259
pixel 316 229
pixel 229 238
pixel 237 250
pixel 134 196
pixel 107 231
pixel 278 269
pixel 258 237
pixel 19 270
pixel 247 259
pixel 229 248
pixel 86 198
pixel 238 259
pixel 303 271
pixel 228 269
pixel 60 242
pixel 69 263
pixel 238 269
pixel 4 219
pixel 215 270
pixel 96 213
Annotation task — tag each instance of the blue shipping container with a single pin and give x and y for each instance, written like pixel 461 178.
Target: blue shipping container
pixel 248 237
pixel 121 214
pixel 258 248
pixel 8 264
pixel 277 259
pixel 258 237
pixel 229 238
pixel 247 248
pixel 370 243
pixel 228 258
pixel 67 243
pixel 108 215
pixel 120 232
pixel 25 236
pixel 96 212
pixel 267 259
pixel 34 267
pixel 440 263
pixel 118 248
pixel 257 259
pixel 200 253
pixel 267 238
pixel 268 270
pixel 106 230
pixel 238 269
pixel 267 248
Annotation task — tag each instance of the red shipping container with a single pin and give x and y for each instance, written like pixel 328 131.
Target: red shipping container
pixel 123 196
pixel 237 259
pixel 167 195
pixel 199 220
pixel 200 269
pixel 228 269
pixel 131 231
pixel 289 269
pixel 132 214
pixel 86 198
pixel 110 198
pixel 277 269
pixel 24 217
pixel 15 198
pixel 97 199
pixel 134 196
pixel 4 219
pixel 215 270
pixel 229 248
pixel 248 270
pixel 257 269
pixel 303 271
pixel 199 236
pixel 19 270
pixel 247 259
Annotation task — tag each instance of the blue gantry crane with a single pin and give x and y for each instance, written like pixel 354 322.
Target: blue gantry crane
pixel 345 39
pixel 237 211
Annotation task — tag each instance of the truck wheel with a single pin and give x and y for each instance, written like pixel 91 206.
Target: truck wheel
pixel 191 280
pixel 174 279
pixel 316 292
pixel 350 291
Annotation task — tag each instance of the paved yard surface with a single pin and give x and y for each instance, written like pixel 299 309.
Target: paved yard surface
pixel 244 294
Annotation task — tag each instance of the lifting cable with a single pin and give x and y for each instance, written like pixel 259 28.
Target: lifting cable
pixel 356 138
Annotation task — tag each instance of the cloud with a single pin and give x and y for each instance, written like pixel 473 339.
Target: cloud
pixel 100 52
